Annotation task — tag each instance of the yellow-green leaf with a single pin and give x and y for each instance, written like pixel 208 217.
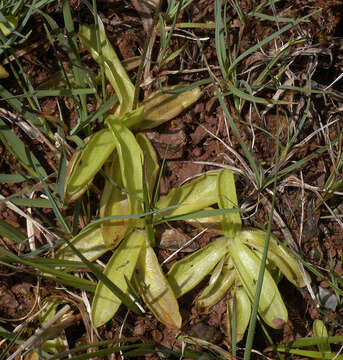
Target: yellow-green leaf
pixel 119 268
pixel 114 202
pixel 3 73
pixel 185 274
pixel 243 312
pixel 131 163
pixel 89 242
pixel 271 306
pixel 161 106
pixel 150 166
pixel 87 162
pixel 227 199
pixel 12 22
pixel 276 254
pixel 319 329
pixel 155 290
pixel 219 284
pixel 194 196
pixel 212 223
pixel 114 70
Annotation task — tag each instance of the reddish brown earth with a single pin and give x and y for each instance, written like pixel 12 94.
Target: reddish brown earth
pixel 192 138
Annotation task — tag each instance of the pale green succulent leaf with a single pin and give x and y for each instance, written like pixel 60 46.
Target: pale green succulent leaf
pixel 319 329
pixel 164 105
pixel 113 202
pixel 243 313
pixel 284 261
pixel 86 162
pixel 186 273
pixel 194 196
pixel 155 290
pixel 271 306
pixel 131 163
pixel 89 242
pixel 114 71
pixel 119 269
pixel 151 166
pixel 227 199
pixel 221 280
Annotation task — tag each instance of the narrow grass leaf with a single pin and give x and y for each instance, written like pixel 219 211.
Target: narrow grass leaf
pixel 74 54
pixel 233 126
pixel 35 203
pixel 13 178
pixel 202 214
pixel 58 275
pixel 268 39
pixel 17 148
pixel 220 38
pixel 103 109
pixel 309 353
pixel 12 233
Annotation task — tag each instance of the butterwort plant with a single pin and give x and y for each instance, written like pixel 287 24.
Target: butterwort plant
pixel 233 261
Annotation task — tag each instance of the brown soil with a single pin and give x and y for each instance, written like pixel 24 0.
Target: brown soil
pixel 191 146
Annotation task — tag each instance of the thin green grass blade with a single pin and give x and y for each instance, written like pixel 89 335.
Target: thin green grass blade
pixel 12 233
pixel 22 110
pixel 252 323
pixel 309 353
pixel 53 93
pixel 34 203
pixel 74 54
pixel 53 204
pixel 268 39
pixel 59 276
pixel 220 39
pixel 172 9
pixel 13 178
pixel 104 108
pixel 13 341
pixel 310 341
pixel 101 354
pixel 62 172
pixel 255 99
pixel 195 215
pixel 99 49
pixel 166 43
pixel 247 152
pixel 19 150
